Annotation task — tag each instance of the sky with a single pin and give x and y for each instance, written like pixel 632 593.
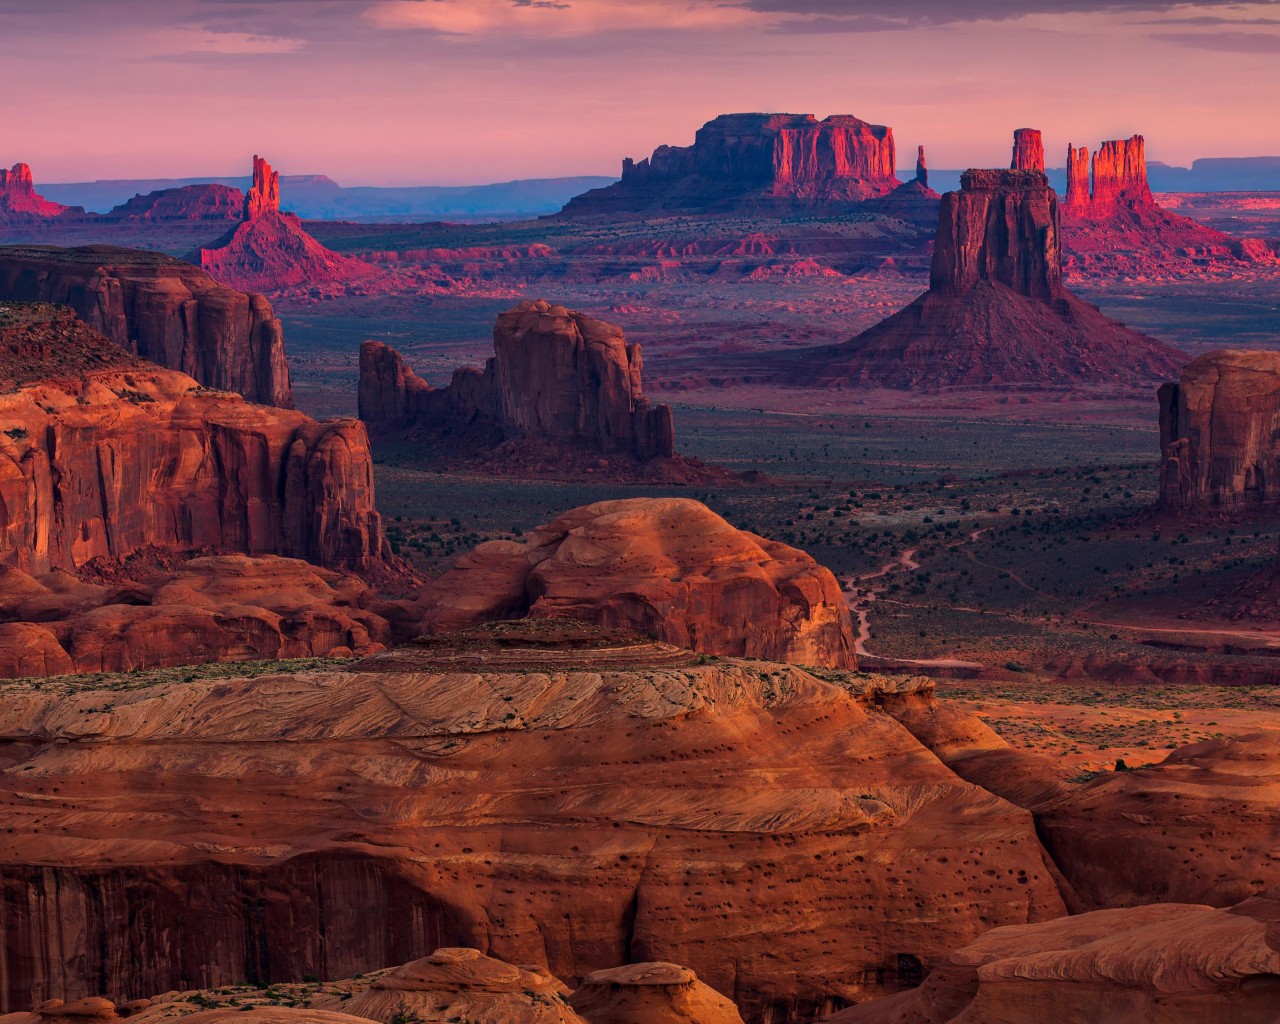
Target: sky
pixel 399 92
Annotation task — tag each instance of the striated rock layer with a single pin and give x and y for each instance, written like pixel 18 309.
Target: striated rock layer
pixel 1220 433
pixel 796 848
pixel 269 250
pixel 1173 963
pixel 556 375
pixel 760 161
pixel 19 200
pixel 996 312
pixel 1028 151
pixel 165 310
pixel 668 567
pixel 102 454
pixel 191 203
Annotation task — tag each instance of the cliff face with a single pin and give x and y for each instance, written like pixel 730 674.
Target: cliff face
pixel 556 375
pixel 198 203
pixel 20 200
pixel 163 309
pixel 1219 426
pixel 1077 201
pixel 1119 179
pixel 740 160
pixel 103 462
pixel 1028 151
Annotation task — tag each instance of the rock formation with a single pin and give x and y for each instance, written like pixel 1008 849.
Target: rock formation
pixel 773 831
pixel 1028 151
pixel 755 161
pixel 654 993
pixel 669 567
pixel 1175 963
pixel 19 200
pixel 1078 198
pixel 176 612
pixel 269 250
pixel 1120 177
pixel 165 310
pixel 922 169
pixel 996 312
pixel 103 454
pixel 557 376
pixel 191 203
pixel 1220 434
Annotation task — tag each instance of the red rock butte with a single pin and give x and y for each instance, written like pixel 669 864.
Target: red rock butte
pixel 762 161
pixel 1119 179
pixel 1028 150
pixel 20 201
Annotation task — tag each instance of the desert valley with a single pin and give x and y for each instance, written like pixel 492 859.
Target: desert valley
pixel 784 582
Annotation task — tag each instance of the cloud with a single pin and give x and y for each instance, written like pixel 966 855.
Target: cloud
pixel 557 17
pixel 1223 42
pixel 875 15
pixel 184 41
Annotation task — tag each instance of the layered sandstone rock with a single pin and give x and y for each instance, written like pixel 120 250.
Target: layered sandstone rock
pixel 556 375
pixel 654 993
pixel 1120 176
pixel 732 816
pixel 19 200
pixel 996 313
pixel 464 984
pixel 1175 963
pixel 1028 151
pixel 102 454
pixel 191 203
pixel 755 161
pixel 215 608
pixel 163 309
pixel 1078 198
pixel 269 250
pixel 669 567
pixel 1219 425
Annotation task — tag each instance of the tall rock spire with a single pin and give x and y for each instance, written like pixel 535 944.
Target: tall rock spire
pixel 1028 150
pixel 264 196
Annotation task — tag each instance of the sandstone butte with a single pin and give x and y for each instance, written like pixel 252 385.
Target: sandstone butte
pixel 270 251
pixel 755 161
pixel 996 312
pixel 669 567
pixel 1219 425
pixel 102 454
pixel 189 203
pixel 19 200
pixel 165 310
pixel 1172 963
pixel 1028 151
pixel 777 833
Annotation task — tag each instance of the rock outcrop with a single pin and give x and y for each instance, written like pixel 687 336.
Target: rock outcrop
pixel 1175 963
pixel 102 454
pixel 159 611
pixel 755 161
pixel 19 200
pixel 269 251
pixel 1220 434
pixel 1078 198
pixel 1120 177
pixel 668 567
pixel 556 376
pixel 654 993
pixel 191 203
pixel 1028 151
pixel 793 846
pixel 163 309
pixel 922 168
pixel 996 312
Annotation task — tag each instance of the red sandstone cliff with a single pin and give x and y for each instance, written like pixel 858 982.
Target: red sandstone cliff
pixel 103 454
pixel 19 199
pixel 269 250
pixel 1028 150
pixel 556 375
pixel 161 308
pixel 190 203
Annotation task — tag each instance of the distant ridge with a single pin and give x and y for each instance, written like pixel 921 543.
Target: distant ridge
pixel 1209 174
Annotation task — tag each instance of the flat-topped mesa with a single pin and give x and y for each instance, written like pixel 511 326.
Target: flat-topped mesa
pixel 1120 176
pixel 1077 201
pixel 922 168
pixel 160 308
pixel 764 160
pixel 556 375
pixel 1028 150
pixel 1001 226
pixel 19 198
pixel 1219 425
pixel 264 196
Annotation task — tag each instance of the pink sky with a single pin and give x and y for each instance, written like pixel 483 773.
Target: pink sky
pixel 456 91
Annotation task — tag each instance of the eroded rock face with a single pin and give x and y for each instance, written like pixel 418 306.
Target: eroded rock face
pixel 651 993
pixel 755 160
pixel 922 168
pixel 556 375
pixel 19 199
pixel 1028 151
pixel 163 309
pixel 269 250
pixel 732 816
pixel 1176 963
pixel 1120 176
pixel 669 567
pixel 1219 425
pixel 191 203
pixel 996 312
pixel 100 462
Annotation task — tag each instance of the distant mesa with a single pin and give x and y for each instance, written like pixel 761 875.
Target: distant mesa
pixel 189 204
pixel 560 384
pixel 19 200
pixel 755 161
pixel 996 312
pixel 162 309
pixel 668 567
pixel 269 251
pixel 1220 434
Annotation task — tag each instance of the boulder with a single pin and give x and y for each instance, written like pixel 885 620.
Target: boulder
pixel 651 993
